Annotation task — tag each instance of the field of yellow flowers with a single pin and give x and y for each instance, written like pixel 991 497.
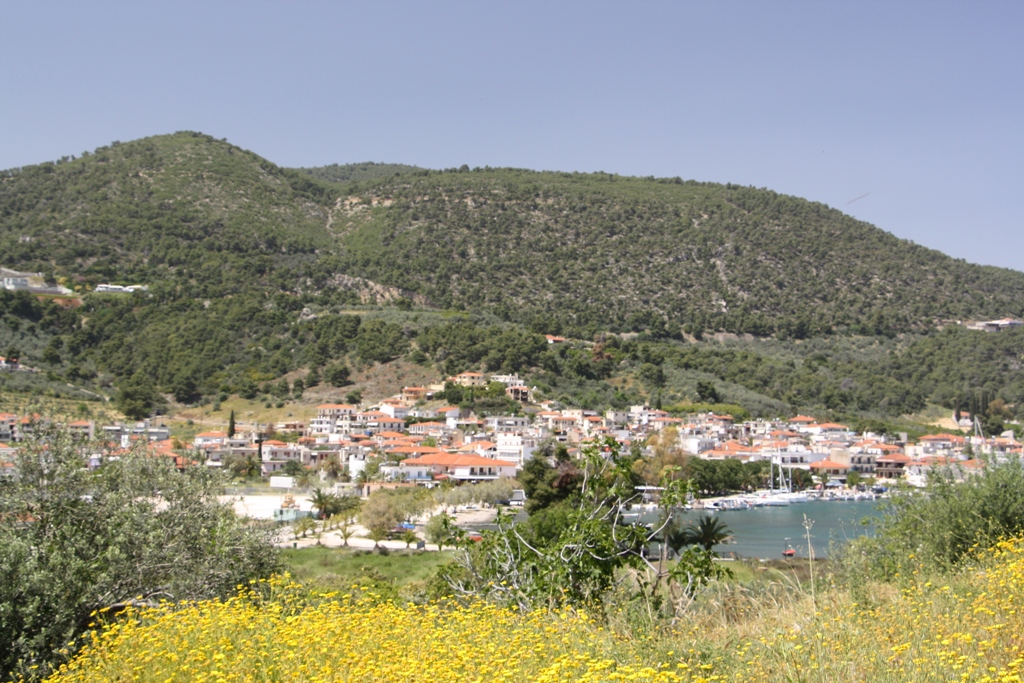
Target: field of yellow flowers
pixel 969 627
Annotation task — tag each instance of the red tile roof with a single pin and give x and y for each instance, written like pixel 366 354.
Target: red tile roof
pixel 457 460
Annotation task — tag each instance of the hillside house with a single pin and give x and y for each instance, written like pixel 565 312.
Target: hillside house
pixel 7 426
pixel 506 424
pixel 394 409
pixel 428 428
pixel 518 392
pixel 206 439
pixel 469 379
pixel 414 394
pixel 463 467
pixel 375 421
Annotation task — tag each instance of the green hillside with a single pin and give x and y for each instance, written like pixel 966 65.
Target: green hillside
pixel 258 275
pixel 156 208
pixel 583 252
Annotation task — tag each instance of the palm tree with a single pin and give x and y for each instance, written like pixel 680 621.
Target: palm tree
pixel 246 466
pixel 345 532
pixel 325 503
pixel 377 534
pixel 332 467
pixel 304 526
pixel 707 533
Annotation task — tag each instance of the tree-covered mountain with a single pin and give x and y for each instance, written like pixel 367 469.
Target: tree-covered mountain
pixel 159 208
pixel 582 252
pixel 254 270
pixel 559 251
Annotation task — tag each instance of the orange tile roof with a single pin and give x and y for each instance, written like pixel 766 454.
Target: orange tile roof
pixel 894 458
pixel 414 449
pixel 828 465
pixel 457 460
pixel 942 437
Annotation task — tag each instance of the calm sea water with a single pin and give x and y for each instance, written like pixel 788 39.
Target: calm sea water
pixel 766 531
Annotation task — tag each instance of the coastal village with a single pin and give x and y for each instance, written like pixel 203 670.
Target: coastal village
pixel 411 439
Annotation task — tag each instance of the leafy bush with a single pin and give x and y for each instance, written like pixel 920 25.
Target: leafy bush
pixel 74 540
pixel 957 512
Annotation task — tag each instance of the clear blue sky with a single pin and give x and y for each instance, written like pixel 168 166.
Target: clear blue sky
pixel 917 105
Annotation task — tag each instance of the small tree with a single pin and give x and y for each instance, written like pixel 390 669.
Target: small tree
pixel 410 537
pixel 245 466
pixel 293 468
pixel 439 530
pixel 337 374
pixel 136 397
pixel 377 534
pixel 231 425
pixel 707 392
pixel 379 515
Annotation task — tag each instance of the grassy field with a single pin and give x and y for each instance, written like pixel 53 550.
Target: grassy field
pixel 341 565
pixel 21 403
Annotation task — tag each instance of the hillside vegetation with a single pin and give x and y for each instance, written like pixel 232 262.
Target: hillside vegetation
pixel 263 279
pixel 583 252
pixel 343 173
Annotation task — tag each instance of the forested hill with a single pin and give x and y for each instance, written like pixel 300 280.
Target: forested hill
pixel 182 206
pixel 578 252
pixel 260 278
pixel 560 252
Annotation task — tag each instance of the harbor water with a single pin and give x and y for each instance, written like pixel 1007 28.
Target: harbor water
pixel 765 532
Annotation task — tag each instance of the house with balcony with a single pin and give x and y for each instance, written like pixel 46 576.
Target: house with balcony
pixel 464 467
pixel 469 379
